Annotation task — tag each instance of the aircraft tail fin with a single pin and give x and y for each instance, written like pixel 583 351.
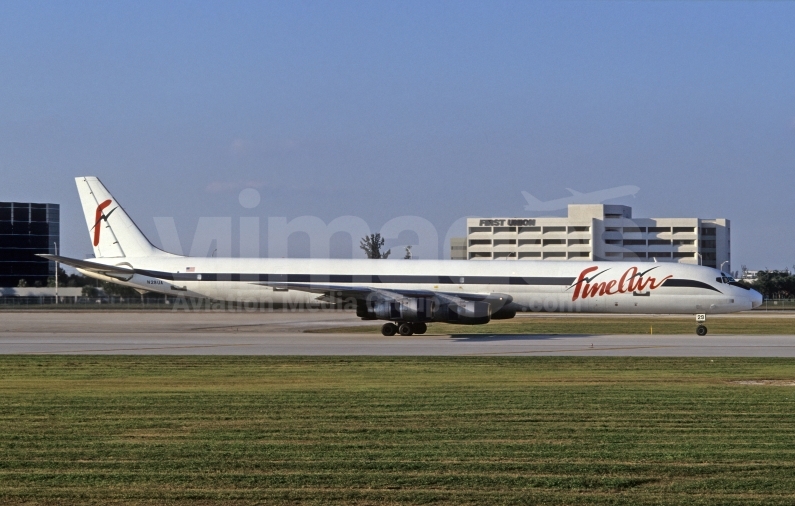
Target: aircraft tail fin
pixel 113 233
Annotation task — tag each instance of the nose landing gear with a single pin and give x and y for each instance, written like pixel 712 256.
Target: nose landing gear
pixel 701 329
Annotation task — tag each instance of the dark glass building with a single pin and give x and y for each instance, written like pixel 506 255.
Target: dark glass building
pixel 25 230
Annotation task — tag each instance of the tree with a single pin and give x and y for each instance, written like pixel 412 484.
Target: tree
pixel 89 291
pixel 407 256
pixel 372 245
pixel 775 284
pixel 115 290
pixel 22 283
pixel 63 277
pixel 70 280
pixel 73 280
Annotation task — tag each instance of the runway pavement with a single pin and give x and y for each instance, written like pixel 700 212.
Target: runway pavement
pixel 277 333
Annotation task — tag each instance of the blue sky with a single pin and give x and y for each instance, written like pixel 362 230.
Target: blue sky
pixel 377 110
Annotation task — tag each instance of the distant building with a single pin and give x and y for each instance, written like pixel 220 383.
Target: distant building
pixel 25 230
pixel 599 232
pixel 458 248
pixel 749 276
pixel 45 292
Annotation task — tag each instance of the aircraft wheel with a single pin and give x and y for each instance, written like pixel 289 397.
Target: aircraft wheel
pixel 405 329
pixel 389 329
pixel 701 330
pixel 420 328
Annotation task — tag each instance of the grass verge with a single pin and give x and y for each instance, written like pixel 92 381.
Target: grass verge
pixel 330 430
pixel 602 325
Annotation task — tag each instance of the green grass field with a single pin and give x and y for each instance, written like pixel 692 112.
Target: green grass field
pixel 640 324
pixel 330 430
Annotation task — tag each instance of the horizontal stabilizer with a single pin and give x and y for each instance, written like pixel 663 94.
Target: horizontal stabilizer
pixel 88 266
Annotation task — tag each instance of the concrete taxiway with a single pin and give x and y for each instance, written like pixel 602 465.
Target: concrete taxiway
pixel 283 333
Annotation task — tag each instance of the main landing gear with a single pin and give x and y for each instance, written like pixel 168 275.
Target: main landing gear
pixel 404 328
pixel 701 319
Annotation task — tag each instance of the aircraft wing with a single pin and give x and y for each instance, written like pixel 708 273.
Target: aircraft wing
pixel 88 266
pixel 331 292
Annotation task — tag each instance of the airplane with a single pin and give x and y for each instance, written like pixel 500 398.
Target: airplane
pixel 407 294
pixel 534 204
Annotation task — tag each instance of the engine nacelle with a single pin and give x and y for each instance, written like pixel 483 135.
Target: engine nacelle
pixel 364 311
pixel 505 313
pixel 405 310
pixel 467 313
pixel 430 309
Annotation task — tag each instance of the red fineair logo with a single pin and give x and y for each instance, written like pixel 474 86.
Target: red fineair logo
pixel 631 281
pixel 100 215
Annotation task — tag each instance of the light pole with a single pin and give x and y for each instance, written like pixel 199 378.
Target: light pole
pixel 721 265
pixel 56 273
pixel 699 259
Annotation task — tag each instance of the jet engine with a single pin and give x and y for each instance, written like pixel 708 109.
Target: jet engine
pixel 505 313
pixel 427 309
pixel 404 310
pixel 466 313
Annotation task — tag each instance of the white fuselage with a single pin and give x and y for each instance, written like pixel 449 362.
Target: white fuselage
pixel 589 287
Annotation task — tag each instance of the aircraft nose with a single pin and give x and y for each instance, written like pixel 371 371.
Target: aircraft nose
pixel 756 298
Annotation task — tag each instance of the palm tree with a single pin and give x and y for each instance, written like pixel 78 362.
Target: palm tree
pixel 372 245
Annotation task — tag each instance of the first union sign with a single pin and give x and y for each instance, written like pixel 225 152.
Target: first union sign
pixel 514 222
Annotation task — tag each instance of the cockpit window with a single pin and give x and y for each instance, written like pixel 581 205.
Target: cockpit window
pixel 725 279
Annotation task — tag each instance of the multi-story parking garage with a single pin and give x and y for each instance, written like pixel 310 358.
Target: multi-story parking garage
pixel 598 232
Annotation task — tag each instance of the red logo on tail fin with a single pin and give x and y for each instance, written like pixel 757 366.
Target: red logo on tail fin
pixel 100 216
